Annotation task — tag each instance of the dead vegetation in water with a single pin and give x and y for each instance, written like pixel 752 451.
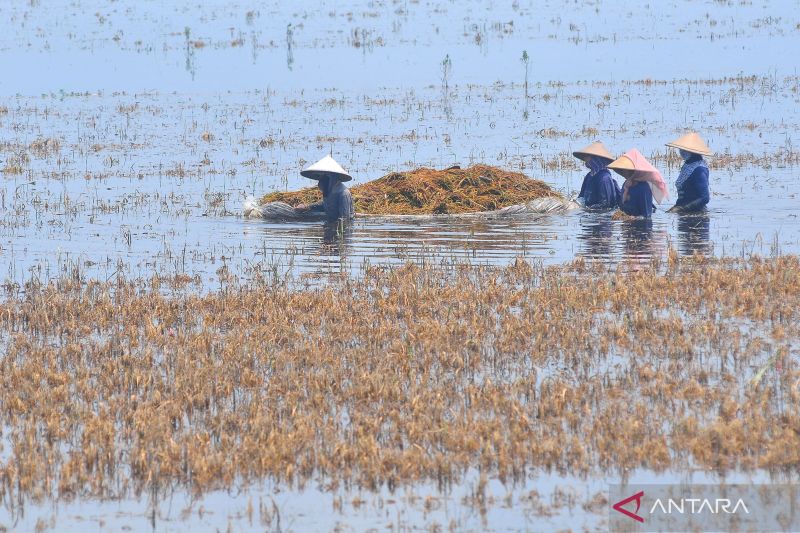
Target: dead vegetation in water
pixel 621 215
pixel 417 373
pixel 429 191
pixel 42 147
pixel 16 163
pixel 780 158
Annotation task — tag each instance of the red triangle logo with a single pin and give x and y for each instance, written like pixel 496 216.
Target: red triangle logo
pixel 619 506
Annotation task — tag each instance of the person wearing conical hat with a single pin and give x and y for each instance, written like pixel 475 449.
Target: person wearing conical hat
pixel 599 190
pixel 692 182
pixel 643 184
pixel 336 200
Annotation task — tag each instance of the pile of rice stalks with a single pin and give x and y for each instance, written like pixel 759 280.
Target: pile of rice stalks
pixel 427 191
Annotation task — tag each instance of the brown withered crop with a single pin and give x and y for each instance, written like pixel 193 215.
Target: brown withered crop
pixel 406 374
pixel 429 191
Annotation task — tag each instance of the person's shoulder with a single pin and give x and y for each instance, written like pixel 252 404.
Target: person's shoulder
pixel 698 177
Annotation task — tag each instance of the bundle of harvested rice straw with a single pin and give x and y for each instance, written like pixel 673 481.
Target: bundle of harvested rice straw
pixel 428 191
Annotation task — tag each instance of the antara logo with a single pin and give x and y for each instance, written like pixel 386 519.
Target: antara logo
pixel 619 506
pixel 700 505
pixel 682 506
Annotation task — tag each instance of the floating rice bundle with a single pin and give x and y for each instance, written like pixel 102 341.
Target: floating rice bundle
pixel 426 191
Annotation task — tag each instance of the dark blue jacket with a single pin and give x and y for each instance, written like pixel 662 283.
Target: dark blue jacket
pixel 337 203
pixel 693 195
pixel 600 191
pixel 640 201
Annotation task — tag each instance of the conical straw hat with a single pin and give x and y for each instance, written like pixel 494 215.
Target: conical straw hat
pixel 623 163
pixel 596 148
pixel 634 161
pixel 691 142
pixel 325 168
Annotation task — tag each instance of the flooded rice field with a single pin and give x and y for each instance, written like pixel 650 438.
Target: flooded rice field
pixel 147 182
pixel 146 389
pixel 170 365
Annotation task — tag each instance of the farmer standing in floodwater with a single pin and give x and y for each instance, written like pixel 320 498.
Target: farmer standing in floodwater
pixel 599 190
pixel 692 183
pixel 643 183
pixel 337 204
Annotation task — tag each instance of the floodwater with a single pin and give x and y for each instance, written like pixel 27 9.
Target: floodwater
pixel 131 133
pixel 152 182
pixel 548 502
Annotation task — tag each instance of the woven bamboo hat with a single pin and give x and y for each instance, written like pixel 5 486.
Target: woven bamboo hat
pixel 596 148
pixel 691 142
pixel 623 163
pixel 327 167
pixel 633 164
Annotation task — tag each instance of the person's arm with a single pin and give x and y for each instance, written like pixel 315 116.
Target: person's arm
pixel 344 205
pixel 697 193
pixel 695 205
pixel 647 202
pixel 316 207
pixel 699 179
pixel 582 193
pixel 621 199
pixel 607 192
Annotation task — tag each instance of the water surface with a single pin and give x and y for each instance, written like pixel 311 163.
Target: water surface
pixel 161 119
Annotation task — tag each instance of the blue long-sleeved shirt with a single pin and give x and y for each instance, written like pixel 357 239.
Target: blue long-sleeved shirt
pixel 600 191
pixel 337 203
pixel 694 195
pixel 639 202
pixel 585 185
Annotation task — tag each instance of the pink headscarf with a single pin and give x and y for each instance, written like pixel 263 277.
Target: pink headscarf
pixel 644 171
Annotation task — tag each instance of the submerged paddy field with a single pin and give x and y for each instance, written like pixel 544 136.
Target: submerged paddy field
pixel 133 183
pixel 170 365
pixel 422 374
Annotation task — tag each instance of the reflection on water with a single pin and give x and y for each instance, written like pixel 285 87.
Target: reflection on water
pixel 303 248
pixel 596 236
pixel 639 240
pixel 637 237
pixel 336 239
pixel 545 502
pixel 610 241
pixel 317 248
pixel 289 44
pixel 694 233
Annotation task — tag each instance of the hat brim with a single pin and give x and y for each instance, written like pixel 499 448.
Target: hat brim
pixel 622 163
pixel 692 149
pixel 320 174
pixel 585 156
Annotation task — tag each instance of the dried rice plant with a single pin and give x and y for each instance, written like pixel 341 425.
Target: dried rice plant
pixel 427 191
pixel 404 374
